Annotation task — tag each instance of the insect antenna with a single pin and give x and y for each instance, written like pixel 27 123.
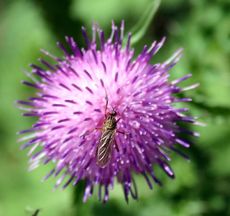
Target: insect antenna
pixel 106 101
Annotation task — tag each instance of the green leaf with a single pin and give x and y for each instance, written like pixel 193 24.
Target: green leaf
pixel 139 30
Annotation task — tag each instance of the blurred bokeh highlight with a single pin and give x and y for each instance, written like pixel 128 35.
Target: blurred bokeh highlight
pixel 202 28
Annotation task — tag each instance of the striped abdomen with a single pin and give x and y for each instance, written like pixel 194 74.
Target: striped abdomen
pixel 105 147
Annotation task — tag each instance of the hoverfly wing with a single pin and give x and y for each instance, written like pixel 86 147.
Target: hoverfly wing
pixel 104 148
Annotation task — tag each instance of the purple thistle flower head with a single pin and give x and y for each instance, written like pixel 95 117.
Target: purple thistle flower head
pixel 103 115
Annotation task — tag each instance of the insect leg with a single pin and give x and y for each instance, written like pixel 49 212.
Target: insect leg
pixel 89 132
pixel 124 133
pixel 116 145
pixel 98 128
pixel 118 120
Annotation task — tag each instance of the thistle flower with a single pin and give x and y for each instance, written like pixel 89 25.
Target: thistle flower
pixel 76 95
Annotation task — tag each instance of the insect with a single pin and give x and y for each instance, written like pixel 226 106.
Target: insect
pixel 107 138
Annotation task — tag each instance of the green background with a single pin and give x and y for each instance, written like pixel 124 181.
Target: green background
pixel 202 27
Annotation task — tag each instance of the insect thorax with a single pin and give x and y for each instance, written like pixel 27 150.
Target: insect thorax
pixel 110 123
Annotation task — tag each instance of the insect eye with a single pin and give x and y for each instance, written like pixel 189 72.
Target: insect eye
pixel 114 113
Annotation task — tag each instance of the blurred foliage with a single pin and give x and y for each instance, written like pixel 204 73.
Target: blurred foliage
pixel 201 187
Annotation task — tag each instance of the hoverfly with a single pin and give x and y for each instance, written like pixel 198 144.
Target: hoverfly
pixel 107 138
